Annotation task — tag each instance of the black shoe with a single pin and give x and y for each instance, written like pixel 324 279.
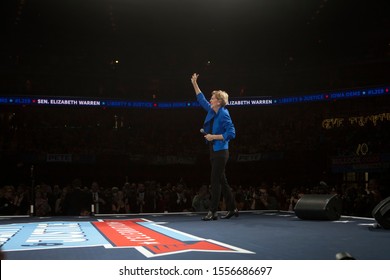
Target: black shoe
pixel 230 214
pixel 210 216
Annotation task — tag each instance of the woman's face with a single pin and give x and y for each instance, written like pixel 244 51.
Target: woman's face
pixel 214 102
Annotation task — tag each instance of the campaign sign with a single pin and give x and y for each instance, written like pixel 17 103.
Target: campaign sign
pixel 149 238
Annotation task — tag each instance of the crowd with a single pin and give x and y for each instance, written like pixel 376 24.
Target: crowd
pixel 293 132
pixel 77 199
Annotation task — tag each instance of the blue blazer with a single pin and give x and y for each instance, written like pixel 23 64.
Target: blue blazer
pixel 222 124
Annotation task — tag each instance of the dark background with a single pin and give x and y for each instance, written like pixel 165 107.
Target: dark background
pixel 148 49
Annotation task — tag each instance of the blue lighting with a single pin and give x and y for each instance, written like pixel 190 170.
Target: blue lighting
pixel 233 102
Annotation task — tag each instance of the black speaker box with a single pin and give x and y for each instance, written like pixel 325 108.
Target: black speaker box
pixel 381 213
pixel 318 207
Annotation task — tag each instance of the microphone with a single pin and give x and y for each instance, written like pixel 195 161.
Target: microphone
pixel 205 133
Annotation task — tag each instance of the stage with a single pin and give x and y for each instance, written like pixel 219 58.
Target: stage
pixel 255 235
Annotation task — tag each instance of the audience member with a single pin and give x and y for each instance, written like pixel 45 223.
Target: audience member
pixel 263 199
pixel 7 199
pixel 201 201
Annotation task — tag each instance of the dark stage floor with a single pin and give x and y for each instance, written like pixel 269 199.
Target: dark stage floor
pixel 183 236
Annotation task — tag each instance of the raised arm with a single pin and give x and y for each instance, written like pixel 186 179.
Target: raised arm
pixel 194 81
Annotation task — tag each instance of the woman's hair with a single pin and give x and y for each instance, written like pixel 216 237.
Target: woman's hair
pixel 222 96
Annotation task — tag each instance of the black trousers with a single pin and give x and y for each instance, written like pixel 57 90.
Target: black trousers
pixel 219 183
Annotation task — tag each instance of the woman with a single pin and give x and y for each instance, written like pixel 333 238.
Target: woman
pixel 219 130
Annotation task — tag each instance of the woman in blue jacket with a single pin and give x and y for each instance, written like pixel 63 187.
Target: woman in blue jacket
pixel 219 130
